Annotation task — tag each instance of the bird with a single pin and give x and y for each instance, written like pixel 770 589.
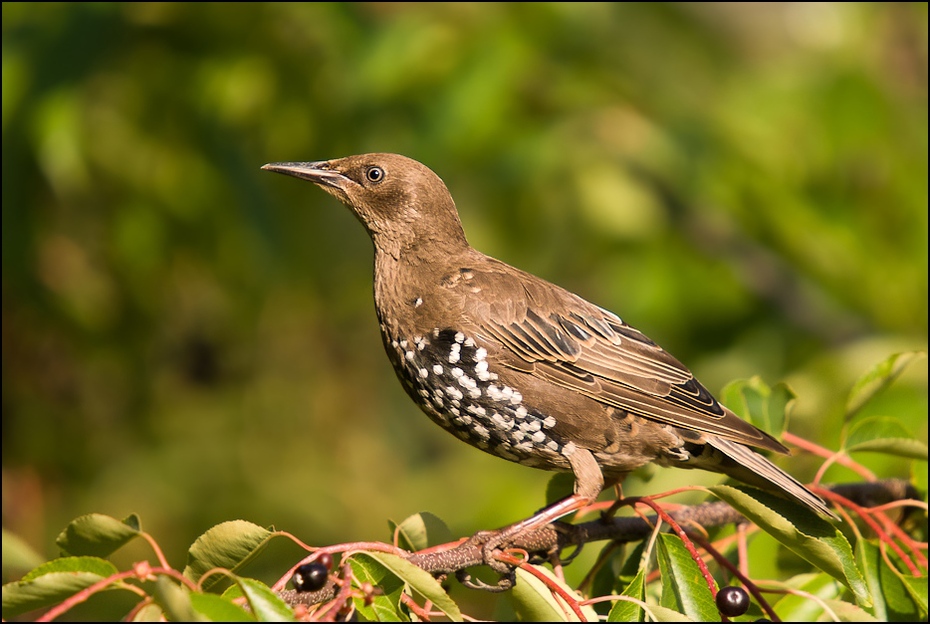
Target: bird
pixel 521 368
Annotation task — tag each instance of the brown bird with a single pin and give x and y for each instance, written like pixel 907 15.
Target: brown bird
pixel 522 368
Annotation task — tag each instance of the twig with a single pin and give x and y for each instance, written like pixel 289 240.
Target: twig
pixel 620 530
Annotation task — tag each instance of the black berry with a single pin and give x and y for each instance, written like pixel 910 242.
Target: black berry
pixel 310 577
pixel 732 601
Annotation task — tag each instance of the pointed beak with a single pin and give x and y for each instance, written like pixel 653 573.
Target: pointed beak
pixel 316 172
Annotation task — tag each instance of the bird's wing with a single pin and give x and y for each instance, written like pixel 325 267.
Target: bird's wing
pixel 556 335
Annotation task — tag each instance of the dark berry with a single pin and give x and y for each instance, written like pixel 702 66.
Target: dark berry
pixel 732 601
pixel 310 577
pixel 326 559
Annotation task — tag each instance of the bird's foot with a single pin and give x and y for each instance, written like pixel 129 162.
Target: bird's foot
pixel 492 543
pixel 506 581
pixel 564 528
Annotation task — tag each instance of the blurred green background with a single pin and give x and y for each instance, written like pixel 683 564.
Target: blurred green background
pixel 192 339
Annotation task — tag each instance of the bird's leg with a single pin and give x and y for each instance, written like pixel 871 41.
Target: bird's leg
pixel 589 481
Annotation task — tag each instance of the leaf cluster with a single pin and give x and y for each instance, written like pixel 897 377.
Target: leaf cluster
pixel 872 567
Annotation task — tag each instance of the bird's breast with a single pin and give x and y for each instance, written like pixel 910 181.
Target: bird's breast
pixel 454 381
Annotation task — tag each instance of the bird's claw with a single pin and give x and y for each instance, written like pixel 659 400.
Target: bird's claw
pixel 563 527
pixel 506 581
pixel 491 543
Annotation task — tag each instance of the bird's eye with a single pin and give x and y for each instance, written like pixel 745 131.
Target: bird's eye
pixel 374 174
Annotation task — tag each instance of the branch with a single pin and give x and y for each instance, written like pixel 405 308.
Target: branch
pixel 555 537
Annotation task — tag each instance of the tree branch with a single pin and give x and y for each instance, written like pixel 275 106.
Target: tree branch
pixel 555 537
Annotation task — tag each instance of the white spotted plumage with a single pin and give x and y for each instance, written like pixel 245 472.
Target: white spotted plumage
pixel 453 373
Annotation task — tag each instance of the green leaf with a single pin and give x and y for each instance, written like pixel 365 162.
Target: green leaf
pixel 607 579
pixel 869 559
pixel 175 601
pixel 637 562
pixel 917 587
pixel 219 609
pixel 765 407
pixel 18 556
pixel 801 531
pixel 150 613
pixel 53 582
pixel 421 531
pixel 265 604
pixel 384 606
pixel 97 535
pixel 878 378
pixel 883 434
pixel 683 586
pixel 229 545
pixel 848 612
pixel 904 595
pixel 534 601
pixel 801 608
pixel 624 611
pixel 93 565
pixel 417 580
pixel 892 596
pixel 664 614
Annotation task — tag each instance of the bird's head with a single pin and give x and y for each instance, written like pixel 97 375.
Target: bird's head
pixel 399 200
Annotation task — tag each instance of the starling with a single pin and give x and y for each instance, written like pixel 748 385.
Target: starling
pixel 521 368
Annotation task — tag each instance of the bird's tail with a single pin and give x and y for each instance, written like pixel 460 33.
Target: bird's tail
pixel 744 464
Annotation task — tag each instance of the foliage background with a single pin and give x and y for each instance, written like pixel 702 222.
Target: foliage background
pixel 192 339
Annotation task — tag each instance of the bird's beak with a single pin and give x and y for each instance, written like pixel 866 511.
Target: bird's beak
pixel 316 172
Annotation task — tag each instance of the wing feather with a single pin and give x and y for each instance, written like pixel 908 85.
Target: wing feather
pixel 592 351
